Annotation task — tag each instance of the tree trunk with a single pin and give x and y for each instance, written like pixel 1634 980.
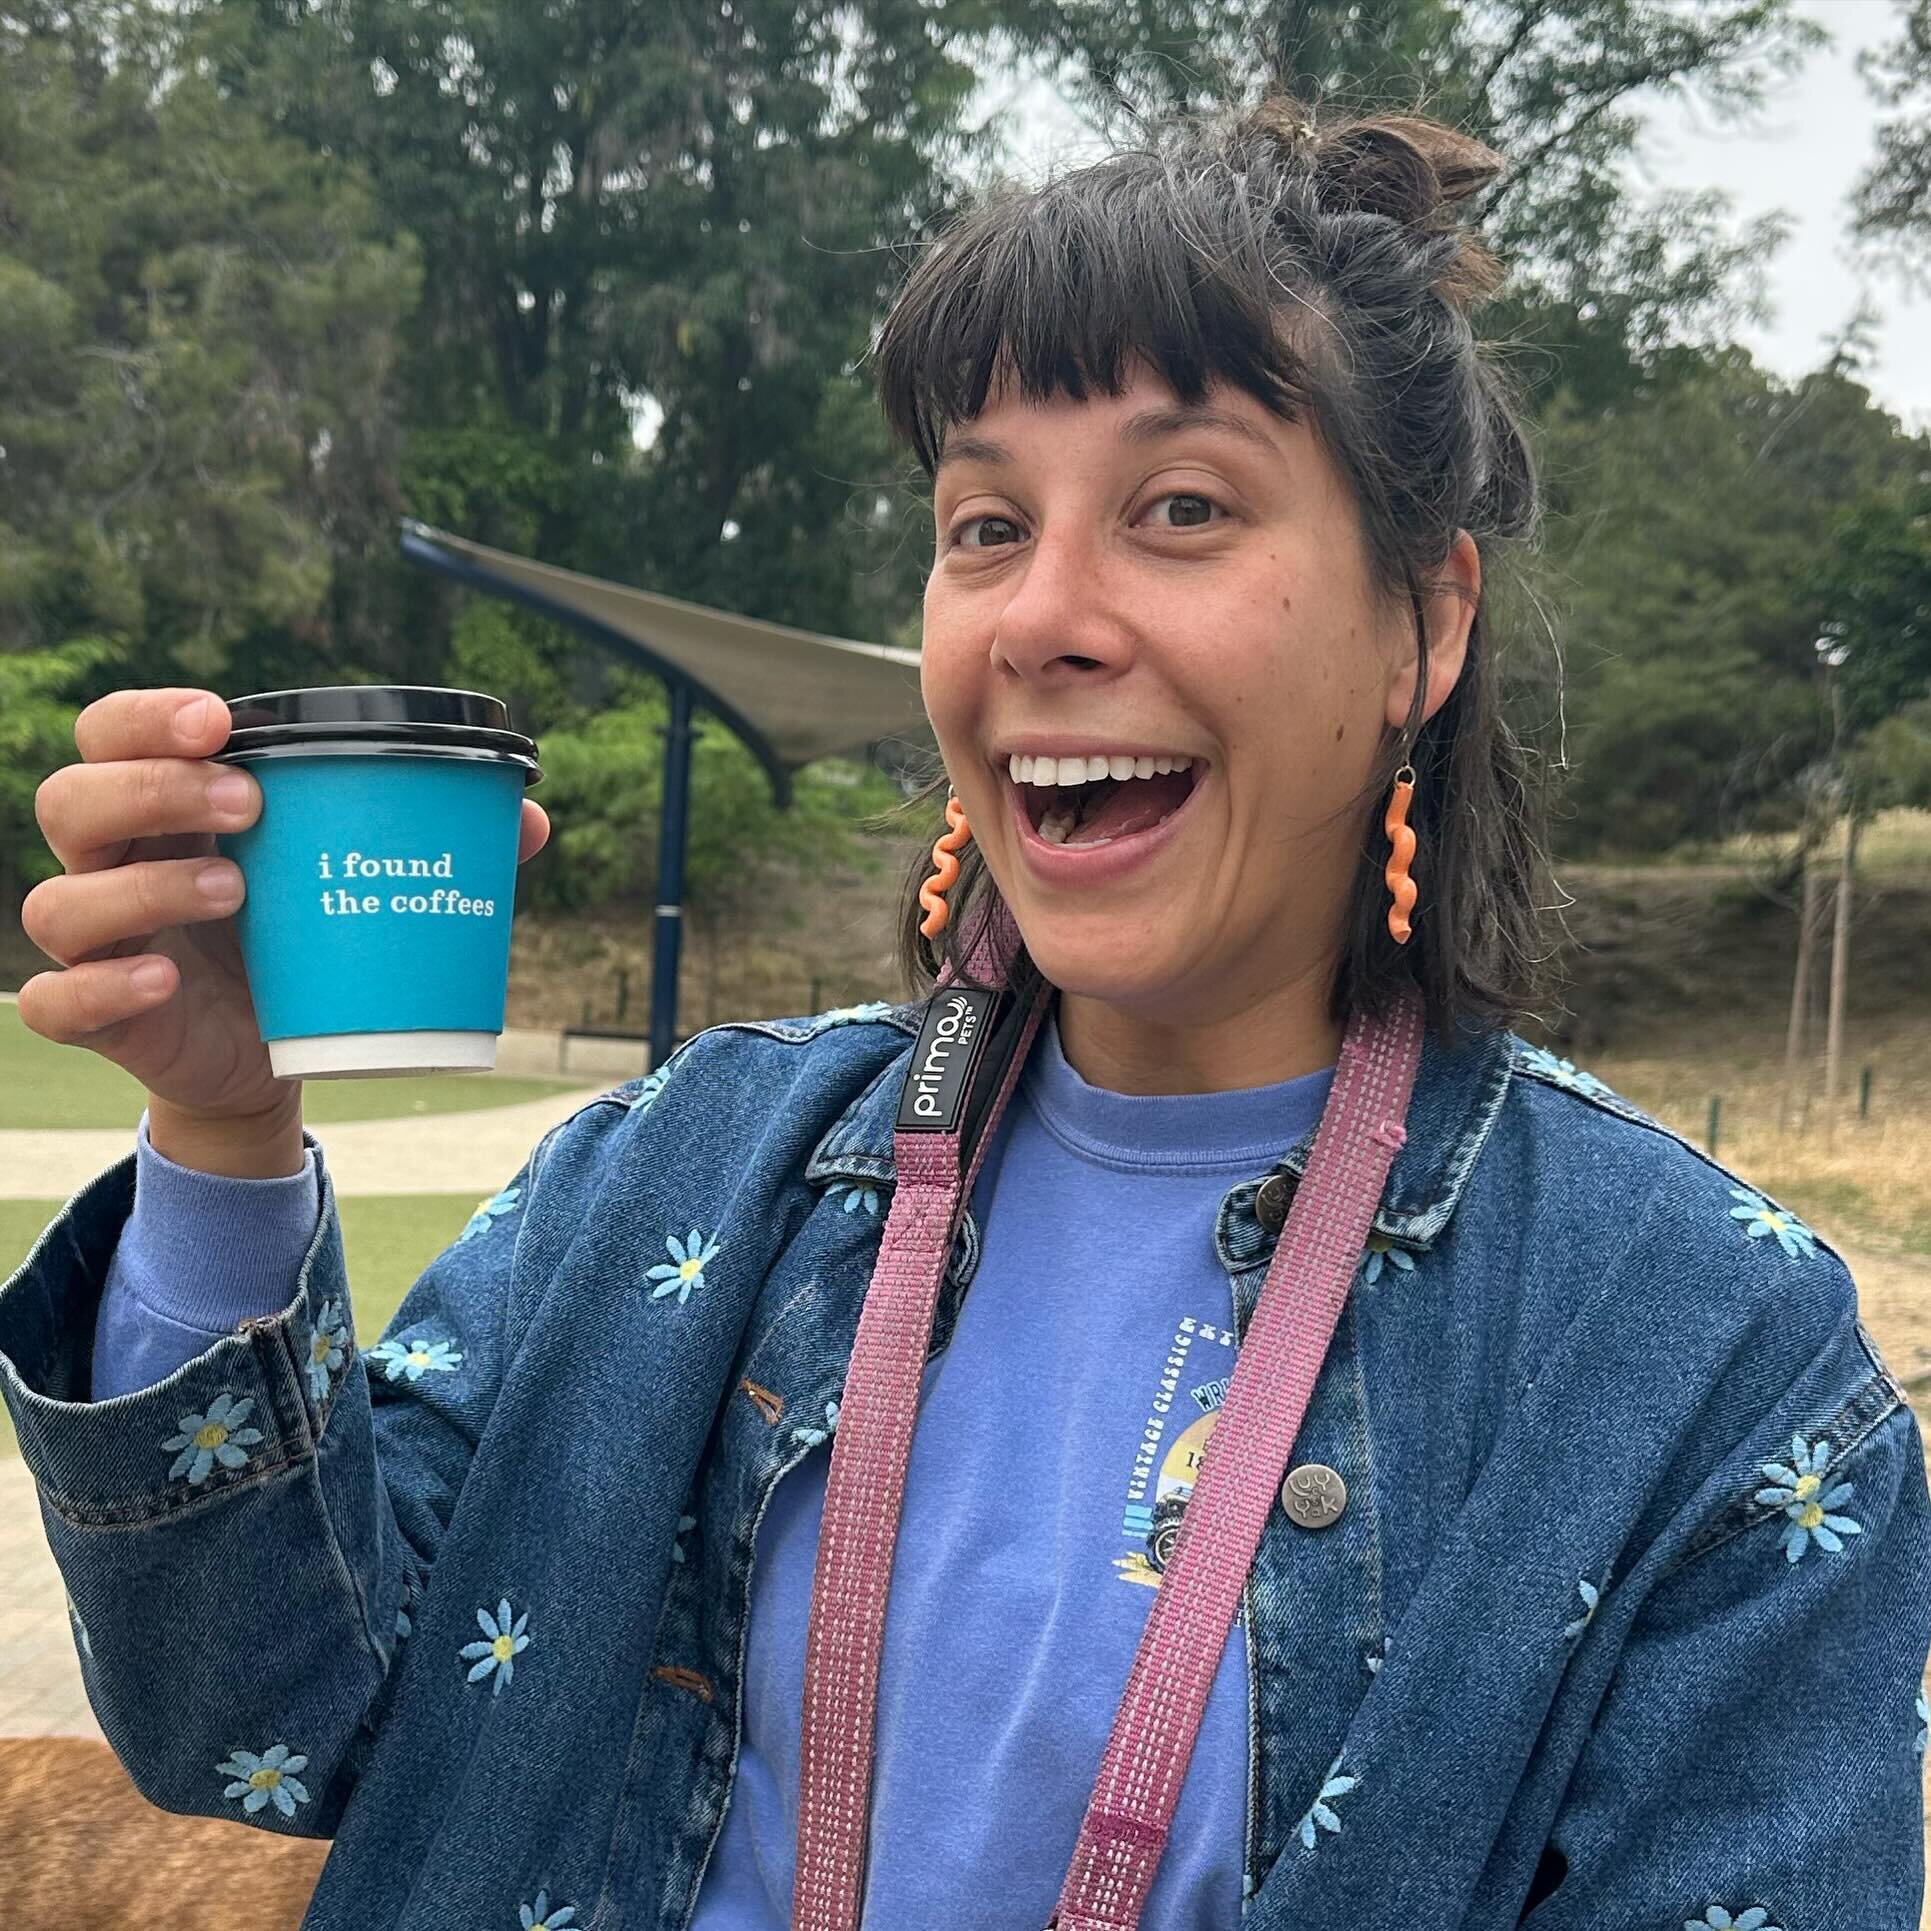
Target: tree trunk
pixel 1840 968
pixel 1796 1037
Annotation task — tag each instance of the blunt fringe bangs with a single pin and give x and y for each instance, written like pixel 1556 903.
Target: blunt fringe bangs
pixel 1324 270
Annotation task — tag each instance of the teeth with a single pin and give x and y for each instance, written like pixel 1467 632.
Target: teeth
pixel 1086 770
pixel 1056 826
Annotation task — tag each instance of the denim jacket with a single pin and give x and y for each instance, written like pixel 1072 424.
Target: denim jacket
pixel 1622 1626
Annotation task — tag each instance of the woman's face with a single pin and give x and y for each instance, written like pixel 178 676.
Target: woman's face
pixel 1109 586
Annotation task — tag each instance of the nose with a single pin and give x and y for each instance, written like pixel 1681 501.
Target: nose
pixel 1054 630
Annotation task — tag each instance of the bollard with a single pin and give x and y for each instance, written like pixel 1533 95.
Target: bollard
pixel 1716 1114
pixel 1864 1094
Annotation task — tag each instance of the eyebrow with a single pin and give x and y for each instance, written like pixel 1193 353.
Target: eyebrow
pixel 1150 425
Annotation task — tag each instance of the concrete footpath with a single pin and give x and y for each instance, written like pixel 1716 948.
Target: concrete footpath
pixel 475 1152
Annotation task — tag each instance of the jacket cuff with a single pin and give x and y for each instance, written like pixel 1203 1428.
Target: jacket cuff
pixel 251 1403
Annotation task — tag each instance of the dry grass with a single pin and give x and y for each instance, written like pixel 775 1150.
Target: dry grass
pixel 1868 1178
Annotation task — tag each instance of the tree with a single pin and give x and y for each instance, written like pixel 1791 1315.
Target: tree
pixel 1893 197
pixel 1685 531
pixel 1604 276
pixel 199 327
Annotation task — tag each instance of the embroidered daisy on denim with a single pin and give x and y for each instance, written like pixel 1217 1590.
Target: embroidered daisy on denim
pixel 1801 1495
pixel 1716 1918
pixel 852 1015
pixel 1924 1717
pixel 265 1779
pixel 1564 1072
pixel 685 1268
pixel 536 1917
pixel 415 1358
pixel 1760 1218
pixel 499 1653
pixel 490 1210
pixel 811 1437
pixel 217 1436
pixel 685 1524
pixel 1591 1596
pixel 857 1195
pixel 325 1347
pixel 1383 1251
pixel 1318 1811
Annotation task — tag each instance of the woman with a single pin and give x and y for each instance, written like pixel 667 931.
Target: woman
pixel 1596 1591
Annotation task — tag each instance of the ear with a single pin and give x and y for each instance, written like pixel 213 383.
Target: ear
pixel 1450 613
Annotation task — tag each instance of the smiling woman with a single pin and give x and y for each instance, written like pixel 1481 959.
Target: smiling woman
pixel 1227 490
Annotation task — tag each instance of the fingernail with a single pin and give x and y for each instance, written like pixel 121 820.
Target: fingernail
pixel 215 881
pixel 150 977
pixel 194 717
pixel 229 793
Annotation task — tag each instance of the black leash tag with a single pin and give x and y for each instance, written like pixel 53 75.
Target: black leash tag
pixel 951 1042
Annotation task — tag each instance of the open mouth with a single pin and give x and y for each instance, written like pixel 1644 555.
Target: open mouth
pixel 1098 811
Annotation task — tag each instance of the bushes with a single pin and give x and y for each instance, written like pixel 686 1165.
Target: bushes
pixel 603 790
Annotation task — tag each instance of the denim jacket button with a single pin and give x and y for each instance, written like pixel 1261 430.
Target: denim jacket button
pixel 1271 1202
pixel 1314 1495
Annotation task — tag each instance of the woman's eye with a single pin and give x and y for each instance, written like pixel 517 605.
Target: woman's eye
pixel 958 533
pixel 1196 510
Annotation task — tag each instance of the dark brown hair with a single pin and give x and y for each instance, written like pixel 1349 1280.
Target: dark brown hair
pixel 1324 270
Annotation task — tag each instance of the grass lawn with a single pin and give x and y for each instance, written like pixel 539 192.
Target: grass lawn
pixel 388 1240
pixel 44 1085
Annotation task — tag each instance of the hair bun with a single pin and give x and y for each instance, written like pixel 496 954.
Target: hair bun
pixel 1404 166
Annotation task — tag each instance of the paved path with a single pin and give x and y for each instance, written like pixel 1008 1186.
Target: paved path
pixel 415 1153
pixel 41 1694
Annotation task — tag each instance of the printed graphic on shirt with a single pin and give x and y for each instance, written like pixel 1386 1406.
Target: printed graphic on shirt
pixel 1191 1385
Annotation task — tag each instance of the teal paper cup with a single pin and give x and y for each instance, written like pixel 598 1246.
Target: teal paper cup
pixel 380 874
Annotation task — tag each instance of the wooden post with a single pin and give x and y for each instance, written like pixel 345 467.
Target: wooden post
pixel 1864 1095
pixel 1796 1035
pixel 1716 1114
pixel 1840 968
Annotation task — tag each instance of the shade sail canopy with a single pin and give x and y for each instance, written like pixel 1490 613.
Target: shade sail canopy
pixel 791 695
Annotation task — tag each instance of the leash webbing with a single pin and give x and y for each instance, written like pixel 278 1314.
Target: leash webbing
pixel 866 1486
pixel 1159 1715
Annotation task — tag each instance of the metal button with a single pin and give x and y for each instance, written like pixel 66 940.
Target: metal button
pixel 1314 1495
pixel 1271 1202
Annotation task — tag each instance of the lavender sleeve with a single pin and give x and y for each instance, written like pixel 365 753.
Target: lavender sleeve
pixel 200 1254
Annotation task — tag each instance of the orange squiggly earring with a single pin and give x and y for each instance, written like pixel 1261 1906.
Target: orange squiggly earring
pixel 932 892
pixel 1401 855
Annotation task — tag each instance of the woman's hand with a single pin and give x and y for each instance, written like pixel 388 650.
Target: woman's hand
pixel 145 891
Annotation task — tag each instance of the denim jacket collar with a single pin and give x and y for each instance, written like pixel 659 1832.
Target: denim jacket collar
pixel 1458 1092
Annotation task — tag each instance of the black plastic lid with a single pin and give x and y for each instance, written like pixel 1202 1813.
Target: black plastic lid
pixel 375 720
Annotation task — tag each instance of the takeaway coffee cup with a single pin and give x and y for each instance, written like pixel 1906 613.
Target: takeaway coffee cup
pixel 380 875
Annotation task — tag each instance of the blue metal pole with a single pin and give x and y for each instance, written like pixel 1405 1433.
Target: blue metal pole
pixel 672 826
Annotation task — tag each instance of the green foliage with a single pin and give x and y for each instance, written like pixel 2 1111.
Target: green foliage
pixel 603 790
pixel 199 324
pixel 1681 555
pixel 1874 581
pixel 37 715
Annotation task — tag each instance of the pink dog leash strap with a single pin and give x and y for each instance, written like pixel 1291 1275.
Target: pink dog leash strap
pixel 866 1483
pixel 1133 1800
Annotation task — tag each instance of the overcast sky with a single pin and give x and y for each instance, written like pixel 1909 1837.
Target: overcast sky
pixel 1806 146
